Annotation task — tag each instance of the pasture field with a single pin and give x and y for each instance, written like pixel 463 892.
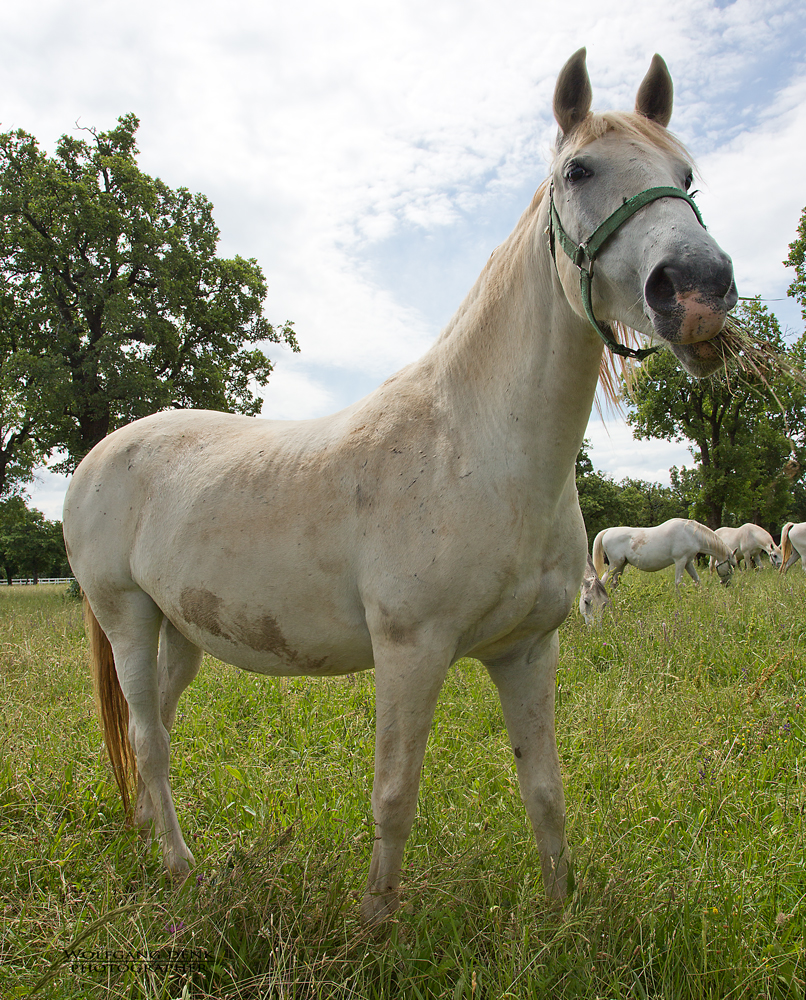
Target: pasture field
pixel 682 733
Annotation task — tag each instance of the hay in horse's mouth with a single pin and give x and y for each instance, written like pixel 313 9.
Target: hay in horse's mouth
pixel 744 355
pixel 745 352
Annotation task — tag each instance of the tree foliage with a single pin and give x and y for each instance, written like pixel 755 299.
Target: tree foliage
pixel 748 438
pixel 605 502
pixel 113 303
pixel 797 259
pixel 29 543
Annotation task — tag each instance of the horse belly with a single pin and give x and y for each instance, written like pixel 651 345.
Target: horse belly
pixel 261 646
pixel 269 602
pixel 650 560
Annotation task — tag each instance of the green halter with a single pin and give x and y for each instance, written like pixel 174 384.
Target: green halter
pixel 589 250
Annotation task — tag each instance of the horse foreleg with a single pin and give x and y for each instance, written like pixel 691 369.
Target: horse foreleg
pixel 407 683
pixel 688 566
pixel 178 662
pixel 526 688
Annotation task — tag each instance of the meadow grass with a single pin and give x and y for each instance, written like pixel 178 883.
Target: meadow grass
pixel 682 732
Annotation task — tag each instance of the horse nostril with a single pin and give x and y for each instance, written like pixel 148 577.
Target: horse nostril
pixel 726 285
pixel 712 281
pixel 719 277
pixel 660 290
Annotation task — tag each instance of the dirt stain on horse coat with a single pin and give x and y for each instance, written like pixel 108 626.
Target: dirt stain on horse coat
pixel 202 608
pixel 206 610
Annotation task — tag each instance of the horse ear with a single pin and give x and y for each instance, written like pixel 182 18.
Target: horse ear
pixel 655 95
pixel 572 95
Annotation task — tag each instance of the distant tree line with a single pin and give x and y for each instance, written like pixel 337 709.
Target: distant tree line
pixel 605 502
pixel 30 545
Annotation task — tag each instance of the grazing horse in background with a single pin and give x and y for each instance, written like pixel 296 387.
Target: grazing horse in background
pixel 748 542
pixel 677 541
pixel 593 596
pixel 435 519
pixel 793 544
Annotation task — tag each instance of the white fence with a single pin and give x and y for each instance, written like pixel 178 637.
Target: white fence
pixel 27 581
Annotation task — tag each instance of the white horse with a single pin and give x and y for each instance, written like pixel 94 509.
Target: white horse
pixel 675 541
pixel 593 596
pixel 748 542
pixel 793 544
pixel 435 519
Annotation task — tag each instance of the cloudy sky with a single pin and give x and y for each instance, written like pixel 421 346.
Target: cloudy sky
pixel 371 155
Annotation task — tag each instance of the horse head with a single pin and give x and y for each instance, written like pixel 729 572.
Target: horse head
pixel 593 597
pixel 635 248
pixel 725 568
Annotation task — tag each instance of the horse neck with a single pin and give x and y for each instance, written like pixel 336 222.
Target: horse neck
pixel 712 543
pixel 516 363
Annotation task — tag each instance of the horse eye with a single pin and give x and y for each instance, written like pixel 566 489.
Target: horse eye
pixel 689 180
pixel 576 172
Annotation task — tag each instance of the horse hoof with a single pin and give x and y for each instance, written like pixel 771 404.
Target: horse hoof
pixel 180 864
pixel 377 907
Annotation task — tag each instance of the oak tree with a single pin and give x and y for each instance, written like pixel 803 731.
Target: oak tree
pixel 113 301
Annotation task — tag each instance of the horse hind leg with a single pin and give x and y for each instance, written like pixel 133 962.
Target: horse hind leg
pixel 132 622
pixel 613 575
pixel 178 662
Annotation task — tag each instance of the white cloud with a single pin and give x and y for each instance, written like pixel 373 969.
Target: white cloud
pixel 47 493
pixel 294 395
pixel 614 451
pixel 755 195
pixel 323 133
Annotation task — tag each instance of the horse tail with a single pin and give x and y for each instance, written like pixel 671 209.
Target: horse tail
pixel 598 554
pixel 112 707
pixel 786 546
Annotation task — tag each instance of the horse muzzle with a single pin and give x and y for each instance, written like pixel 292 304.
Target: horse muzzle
pixel 688 305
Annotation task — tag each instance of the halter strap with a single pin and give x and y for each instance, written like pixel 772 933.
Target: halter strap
pixel 726 560
pixel 589 249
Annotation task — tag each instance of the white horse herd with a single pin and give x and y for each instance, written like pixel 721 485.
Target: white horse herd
pixel 435 519
pixel 678 542
pixel 748 543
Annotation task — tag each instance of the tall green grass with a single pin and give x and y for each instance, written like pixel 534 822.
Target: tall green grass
pixel 681 728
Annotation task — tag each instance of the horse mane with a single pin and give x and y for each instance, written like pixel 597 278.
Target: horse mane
pixel 630 124
pixel 703 534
